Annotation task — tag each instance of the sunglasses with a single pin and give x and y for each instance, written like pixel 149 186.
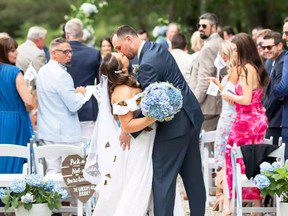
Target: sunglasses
pixel 66 52
pixel 286 33
pixel 268 47
pixel 204 26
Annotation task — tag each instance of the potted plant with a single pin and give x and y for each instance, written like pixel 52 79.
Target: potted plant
pixel 274 180
pixel 32 196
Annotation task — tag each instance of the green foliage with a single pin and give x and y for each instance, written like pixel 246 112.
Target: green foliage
pixel 278 182
pixel 33 190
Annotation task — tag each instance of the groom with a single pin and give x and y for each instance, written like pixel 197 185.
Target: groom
pixel 176 146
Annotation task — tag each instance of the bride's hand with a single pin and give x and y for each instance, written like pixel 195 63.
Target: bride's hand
pixel 125 139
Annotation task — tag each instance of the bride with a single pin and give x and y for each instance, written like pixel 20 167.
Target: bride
pixel 123 177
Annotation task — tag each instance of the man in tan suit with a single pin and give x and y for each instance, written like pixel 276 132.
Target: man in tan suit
pixel 32 49
pixel 204 67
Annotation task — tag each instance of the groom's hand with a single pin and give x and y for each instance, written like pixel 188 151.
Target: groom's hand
pixel 125 139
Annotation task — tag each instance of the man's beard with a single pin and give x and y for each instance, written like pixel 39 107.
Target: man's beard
pixel 203 36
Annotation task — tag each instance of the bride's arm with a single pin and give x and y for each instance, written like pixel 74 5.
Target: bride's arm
pixel 129 124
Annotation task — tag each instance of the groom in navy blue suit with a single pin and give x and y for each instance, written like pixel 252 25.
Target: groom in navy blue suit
pixel 176 146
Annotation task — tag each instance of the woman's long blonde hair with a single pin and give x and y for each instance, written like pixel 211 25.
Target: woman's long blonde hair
pixel 227 49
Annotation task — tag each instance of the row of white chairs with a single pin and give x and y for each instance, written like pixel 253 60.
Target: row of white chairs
pixel 209 166
pixel 34 155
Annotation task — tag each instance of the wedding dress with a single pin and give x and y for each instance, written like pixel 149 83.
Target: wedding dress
pixel 123 178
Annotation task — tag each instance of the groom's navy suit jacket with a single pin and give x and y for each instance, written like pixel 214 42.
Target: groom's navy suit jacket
pixel 157 64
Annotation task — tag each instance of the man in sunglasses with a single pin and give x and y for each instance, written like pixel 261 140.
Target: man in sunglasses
pixel 273 48
pixel 281 91
pixel 204 67
pixel 58 102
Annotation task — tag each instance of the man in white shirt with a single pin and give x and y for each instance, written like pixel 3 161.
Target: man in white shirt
pixel 183 59
pixel 58 102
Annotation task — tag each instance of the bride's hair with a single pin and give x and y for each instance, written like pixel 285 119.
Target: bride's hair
pixel 109 67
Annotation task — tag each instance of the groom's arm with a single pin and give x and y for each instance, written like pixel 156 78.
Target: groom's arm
pixel 146 75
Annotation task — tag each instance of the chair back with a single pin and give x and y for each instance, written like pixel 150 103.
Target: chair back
pixel 14 150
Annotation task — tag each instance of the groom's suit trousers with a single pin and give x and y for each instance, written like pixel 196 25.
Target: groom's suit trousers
pixel 185 160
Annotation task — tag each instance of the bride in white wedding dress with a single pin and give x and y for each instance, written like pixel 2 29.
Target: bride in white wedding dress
pixel 123 177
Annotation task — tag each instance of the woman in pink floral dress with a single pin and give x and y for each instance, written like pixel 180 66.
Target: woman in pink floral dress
pixel 251 122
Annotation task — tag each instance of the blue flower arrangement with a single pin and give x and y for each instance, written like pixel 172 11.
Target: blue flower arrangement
pixel 161 101
pixel 33 189
pixel 273 179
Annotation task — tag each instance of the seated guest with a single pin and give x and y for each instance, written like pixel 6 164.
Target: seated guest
pixel 183 59
pixel 15 125
pixel 58 102
pixel 273 49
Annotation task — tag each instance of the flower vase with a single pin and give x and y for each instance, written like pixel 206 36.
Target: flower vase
pixel 283 208
pixel 36 210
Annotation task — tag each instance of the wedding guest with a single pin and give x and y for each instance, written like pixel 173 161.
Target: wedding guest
pixel 228 33
pixel 259 42
pixel 251 122
pixel 4 35
pixel 15 125
pixel 105 46
pixel 182 58
pixel 255 32
pixel 143 34
pixel 32 49
pixel 273 49
pixel 84 68
pixel 225 122
pixel 204 67
pixel 281 90
pixel 58 102
pixel 172 29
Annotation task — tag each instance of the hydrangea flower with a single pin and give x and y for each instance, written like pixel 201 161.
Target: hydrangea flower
pixel 261 181
pixel 49 185
pixel 17 186
pixel 159 31
pixel 161 101
pixel 266 167
pixel 27 198
pixel 88 8
pixel 34 180
pixel 276 165
pixel 2 192
pixel 286 162
pixel 61 191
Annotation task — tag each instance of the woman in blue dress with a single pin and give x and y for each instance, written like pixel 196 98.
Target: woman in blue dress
pixel 15 97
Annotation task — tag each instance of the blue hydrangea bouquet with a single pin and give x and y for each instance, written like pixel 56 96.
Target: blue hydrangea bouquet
pixel 161 100
pixel 273 179
pixel 32 190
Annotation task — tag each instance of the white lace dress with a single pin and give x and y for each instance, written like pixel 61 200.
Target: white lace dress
pixel 125 186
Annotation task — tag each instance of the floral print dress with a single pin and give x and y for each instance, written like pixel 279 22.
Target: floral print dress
pixel 248 128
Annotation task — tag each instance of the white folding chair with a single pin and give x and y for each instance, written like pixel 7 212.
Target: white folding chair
pixel 208 162
pixel 240 181
pixel 13 150
pixel 56 151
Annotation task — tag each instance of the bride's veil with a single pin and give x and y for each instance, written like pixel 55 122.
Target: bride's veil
pixel 103 164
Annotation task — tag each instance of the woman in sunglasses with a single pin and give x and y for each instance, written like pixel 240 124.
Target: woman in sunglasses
pixel 251 122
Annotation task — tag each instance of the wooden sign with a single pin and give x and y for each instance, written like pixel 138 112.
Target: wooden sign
pixel 72 173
